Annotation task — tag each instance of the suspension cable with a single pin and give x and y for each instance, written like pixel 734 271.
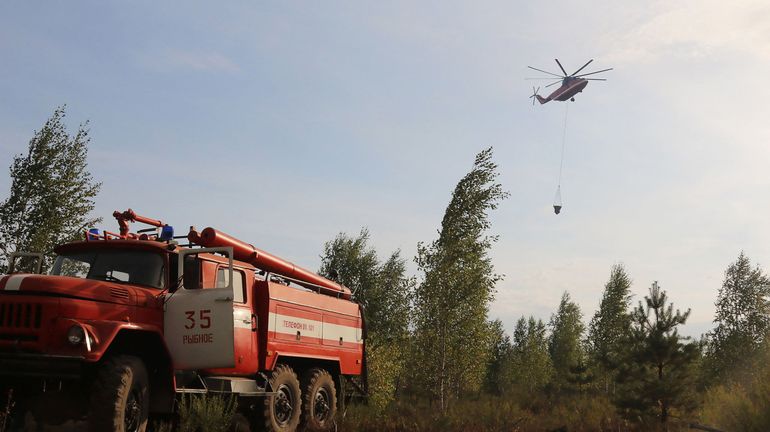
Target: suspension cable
pixel 563 141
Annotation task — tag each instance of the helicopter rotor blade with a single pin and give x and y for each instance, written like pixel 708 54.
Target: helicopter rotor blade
pixel 584 66
pixel 553 83
pixel 595 79
pixel 561 67
pixel 549 78
pixel 591 73
pixel 540 70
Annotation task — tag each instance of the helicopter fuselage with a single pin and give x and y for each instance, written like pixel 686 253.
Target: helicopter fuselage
pixel 569 88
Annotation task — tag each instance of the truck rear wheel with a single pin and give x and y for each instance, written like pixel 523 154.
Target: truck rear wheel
pixel 319 401
pixel 282 410
pixel 240 423
pixel 120 396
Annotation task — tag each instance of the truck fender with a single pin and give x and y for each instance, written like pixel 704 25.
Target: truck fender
pixel 150 347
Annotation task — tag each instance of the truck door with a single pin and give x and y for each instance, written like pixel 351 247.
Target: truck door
pixel 198 320
pixel 244 322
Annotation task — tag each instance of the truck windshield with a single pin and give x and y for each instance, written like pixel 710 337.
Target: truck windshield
pixel 126 266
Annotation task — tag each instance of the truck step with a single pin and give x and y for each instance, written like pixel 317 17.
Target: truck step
pixel 234 385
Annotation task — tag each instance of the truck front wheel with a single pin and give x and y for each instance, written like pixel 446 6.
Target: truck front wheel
pixel 120 396
pixel 319 401
pixel 282 409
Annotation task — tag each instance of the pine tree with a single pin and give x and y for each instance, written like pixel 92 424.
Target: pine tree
pixel 452 301
pixel 657 372
pixel 610 324
pixel 565 343
pixel 742 317
pixel 52 192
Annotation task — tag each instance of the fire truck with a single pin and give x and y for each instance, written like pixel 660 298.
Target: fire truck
pixel 125 323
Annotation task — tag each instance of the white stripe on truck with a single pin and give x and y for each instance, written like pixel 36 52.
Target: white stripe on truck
pixel 287 324
pixel 14 282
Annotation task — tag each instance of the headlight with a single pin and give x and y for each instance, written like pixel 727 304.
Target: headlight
pixel 76 335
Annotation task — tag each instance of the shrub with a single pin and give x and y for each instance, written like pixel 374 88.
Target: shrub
pixel 489 413
pixel 200 413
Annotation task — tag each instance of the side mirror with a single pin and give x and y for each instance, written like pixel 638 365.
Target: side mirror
pixel 191 278
pixel 25 263
pixel 190 266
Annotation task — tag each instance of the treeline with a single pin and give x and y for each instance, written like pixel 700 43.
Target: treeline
pixel 436 361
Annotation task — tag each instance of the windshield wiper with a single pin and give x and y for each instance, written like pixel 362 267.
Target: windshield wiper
pixel 108 278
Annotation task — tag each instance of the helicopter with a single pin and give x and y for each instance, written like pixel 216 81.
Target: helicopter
pixel 570 84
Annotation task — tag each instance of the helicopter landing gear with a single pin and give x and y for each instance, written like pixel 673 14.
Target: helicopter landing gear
pixel 572 99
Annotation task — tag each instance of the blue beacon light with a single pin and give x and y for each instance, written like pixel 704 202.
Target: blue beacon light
pixel 166 233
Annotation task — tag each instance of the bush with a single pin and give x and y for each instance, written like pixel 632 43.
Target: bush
pixel 488 413
pixel 385 362
pixel 743 403
pixel 6 407
pixel 200 413
pixel 739 407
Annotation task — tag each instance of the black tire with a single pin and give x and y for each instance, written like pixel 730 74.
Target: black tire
pixel 120 396
pixel 240 423
pixel 319 401
pixel 282 410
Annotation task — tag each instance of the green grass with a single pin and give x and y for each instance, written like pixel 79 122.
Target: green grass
pixel 201 413
pixel 5 410
pixel 578 413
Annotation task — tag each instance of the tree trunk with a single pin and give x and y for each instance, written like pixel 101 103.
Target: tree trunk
pixel 663 402
pixel 442 379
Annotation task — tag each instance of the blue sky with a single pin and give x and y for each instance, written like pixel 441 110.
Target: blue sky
pixel 285 123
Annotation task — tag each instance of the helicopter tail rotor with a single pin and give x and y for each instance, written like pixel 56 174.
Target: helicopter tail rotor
pixel 534 94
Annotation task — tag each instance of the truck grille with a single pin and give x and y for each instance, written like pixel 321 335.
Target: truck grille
pixel 21 315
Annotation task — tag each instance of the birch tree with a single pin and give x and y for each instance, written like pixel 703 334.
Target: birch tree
pixel 458 283
pixel 565 343
pixel 742 317
pixel 610 324
pixel 52 192
pixel 384 291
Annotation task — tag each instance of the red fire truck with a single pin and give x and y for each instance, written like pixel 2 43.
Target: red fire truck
pixel 124 323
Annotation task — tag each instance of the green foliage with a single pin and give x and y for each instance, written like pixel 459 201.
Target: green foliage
pixel 452 302
pixel 199 413
pixel 383 289
pixel 657 369
pixel 385 363
pixel 742 317
pixel 161 426
pixel 583 413
pixel 610 324
pixel 742 402
pixel 531 367
pixel 735 408
pixel 564 345
pixel 51 193
pixel 415 415
pixel 501 354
